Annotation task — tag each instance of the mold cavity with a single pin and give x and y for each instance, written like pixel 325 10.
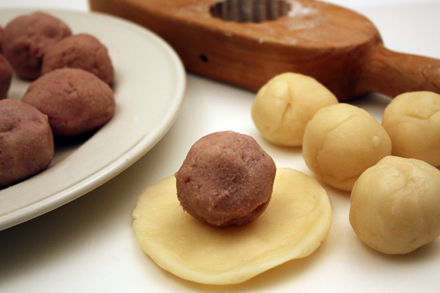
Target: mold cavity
pixel 250 10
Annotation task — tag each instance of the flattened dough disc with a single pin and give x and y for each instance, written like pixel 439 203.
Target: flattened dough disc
pixel 295 223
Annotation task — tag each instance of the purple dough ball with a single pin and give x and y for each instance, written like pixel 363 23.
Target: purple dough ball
pixel 76 101
pixel 26 39
pixel 5 77
pixel 1 37
pixel 26 141
pixel 80 51
pixel 226 179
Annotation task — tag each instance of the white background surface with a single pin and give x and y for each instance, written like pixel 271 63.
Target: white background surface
pixel 88 245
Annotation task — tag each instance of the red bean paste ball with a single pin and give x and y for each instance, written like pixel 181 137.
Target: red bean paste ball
pixel 76 101
pixel 26 141
pixel 226 179
pixel 26 39
pixel 5 77
pixel 80 51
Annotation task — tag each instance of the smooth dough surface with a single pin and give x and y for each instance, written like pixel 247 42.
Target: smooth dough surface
pixel 295 223
pixel 341 142
pixel 395 205
pixel 413 122
pixel 285 104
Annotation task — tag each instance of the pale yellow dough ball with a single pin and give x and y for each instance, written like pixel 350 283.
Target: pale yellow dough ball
pixel 285 104
pixel 395 205
pixel 341 142
pixel 413 122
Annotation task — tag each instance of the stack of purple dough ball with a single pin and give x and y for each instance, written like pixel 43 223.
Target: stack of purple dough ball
pixel 70 93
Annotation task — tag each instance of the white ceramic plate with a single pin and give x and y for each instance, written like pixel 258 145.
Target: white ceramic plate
pixel 149 88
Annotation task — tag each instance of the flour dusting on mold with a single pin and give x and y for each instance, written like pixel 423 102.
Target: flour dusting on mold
pixel 297 10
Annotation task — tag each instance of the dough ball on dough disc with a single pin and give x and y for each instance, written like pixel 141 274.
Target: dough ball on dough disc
pixel 295 223
pixel 395 205
pixel 226 179
pixel 284 106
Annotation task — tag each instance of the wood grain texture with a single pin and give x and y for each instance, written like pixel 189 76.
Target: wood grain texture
pixel 340 48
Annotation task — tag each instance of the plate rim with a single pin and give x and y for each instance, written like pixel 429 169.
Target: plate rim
pixel 114 167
